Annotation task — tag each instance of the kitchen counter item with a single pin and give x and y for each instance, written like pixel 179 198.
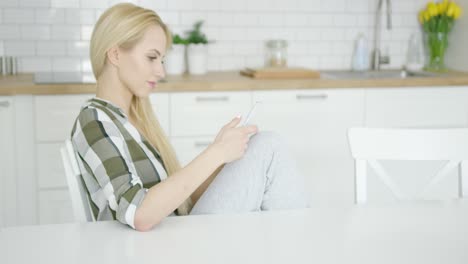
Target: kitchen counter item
pixel 360 60
pixel 276 53
pixel 414 54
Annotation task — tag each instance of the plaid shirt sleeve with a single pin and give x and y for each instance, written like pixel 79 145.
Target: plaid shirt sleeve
pixel 101 148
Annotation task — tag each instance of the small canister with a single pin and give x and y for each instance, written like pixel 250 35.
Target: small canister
pixel 276 53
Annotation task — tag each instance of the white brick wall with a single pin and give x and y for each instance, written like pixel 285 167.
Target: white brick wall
pixel 54 34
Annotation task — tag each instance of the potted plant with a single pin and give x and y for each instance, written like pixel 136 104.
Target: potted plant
pixel 197 53
pixel 175 59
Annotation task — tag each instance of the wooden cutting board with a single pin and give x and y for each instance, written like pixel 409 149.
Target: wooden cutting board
pixel 280 73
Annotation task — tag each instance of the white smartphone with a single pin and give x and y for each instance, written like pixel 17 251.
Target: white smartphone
pixel 249 115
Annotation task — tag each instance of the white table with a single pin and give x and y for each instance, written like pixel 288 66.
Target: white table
pixel 429 234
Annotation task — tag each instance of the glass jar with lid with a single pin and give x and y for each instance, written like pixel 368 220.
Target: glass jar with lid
pixel 276 53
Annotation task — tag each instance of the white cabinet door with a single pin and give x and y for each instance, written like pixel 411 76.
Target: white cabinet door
pixel 415 107
pixel 418 107
pixel 8 201
pixel 315 123
pixel 56 114
pixel 50 170
pixel 204 113
pixel 160 103
pixel 188 148
pixel 55 207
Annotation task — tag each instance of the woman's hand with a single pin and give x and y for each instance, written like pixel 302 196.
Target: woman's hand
pixel 231 141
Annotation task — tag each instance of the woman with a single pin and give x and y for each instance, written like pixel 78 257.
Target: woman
pixel 125 157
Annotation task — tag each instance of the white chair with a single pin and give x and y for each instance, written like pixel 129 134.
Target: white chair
pixel 368 145
pixel 80 203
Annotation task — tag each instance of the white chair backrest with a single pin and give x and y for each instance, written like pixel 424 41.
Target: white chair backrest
pixel 368 145
pixel 79 198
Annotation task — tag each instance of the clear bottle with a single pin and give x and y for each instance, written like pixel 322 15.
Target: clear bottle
pixel 415 53
pixel 360 60
pixel 276 53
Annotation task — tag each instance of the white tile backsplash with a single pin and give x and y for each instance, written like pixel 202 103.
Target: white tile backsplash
pixel 35 64
pixel 271 19
pixel 86 32
pixel 80 16
pixel 320 20
pixel 66 32
pixel 245 19
pixel 181 5
pixel 34 3
pixel 33 32
pixel 232 33
pixel 169 17
pixel 78 48
pixel 54 34
pixel 10 32
pixel 295 20
pixel 96 3
pixel 9 3
pixel 233 6
pixel 155 5
pixel 19 48
pixel 207 5
pixel 18 16
pixel 50 16
pixel 62 64
pixel 86 65
pixel 65 3
pixel 51 48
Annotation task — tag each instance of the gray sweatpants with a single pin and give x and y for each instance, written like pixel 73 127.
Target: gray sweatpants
pixel 265 178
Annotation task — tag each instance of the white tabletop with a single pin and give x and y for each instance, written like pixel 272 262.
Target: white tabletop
pixel 428 234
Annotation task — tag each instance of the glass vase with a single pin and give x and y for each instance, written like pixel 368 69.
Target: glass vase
pixel 437 43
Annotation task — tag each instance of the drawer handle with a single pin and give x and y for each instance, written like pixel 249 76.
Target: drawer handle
pixel 210 98
pixel 200 144
pixel 4 104
pixel 311 96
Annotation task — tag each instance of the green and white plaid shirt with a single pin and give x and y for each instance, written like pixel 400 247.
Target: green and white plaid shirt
pixel 117 163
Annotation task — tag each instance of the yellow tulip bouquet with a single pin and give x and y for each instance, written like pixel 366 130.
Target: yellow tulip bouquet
pixel 437 20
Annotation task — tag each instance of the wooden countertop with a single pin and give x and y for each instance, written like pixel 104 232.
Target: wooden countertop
pixel 226 81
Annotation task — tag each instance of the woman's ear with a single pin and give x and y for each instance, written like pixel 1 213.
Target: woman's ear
pixel 113 56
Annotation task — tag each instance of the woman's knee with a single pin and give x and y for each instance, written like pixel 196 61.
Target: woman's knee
pixel 269 138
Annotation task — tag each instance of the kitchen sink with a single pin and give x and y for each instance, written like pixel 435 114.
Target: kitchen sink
pixel 382 74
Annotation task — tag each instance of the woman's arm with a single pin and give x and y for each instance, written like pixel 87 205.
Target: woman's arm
pixel 163 198
pixel 201 190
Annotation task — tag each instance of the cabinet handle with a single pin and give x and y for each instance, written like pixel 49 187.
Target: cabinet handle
pixel 200 144
pixel 4 104
pixel 311 96
pixel 211 98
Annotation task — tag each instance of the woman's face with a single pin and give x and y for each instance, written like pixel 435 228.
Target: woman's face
pixel 141 67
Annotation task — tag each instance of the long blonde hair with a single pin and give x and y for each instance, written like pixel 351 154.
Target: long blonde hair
pixel 123 25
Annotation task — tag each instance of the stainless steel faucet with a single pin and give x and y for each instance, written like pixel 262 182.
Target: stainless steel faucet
pixel 377 58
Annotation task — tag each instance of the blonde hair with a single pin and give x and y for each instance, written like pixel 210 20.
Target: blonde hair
pixel 123 25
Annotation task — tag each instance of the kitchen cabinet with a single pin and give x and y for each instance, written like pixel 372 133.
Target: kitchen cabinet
pixel 8 216
pixel 314 123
